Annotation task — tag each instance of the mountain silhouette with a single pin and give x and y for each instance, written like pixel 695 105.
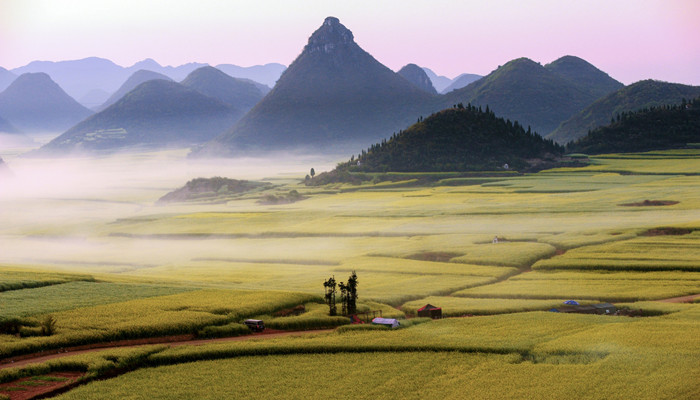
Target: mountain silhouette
pixel 134 80
pixel 156 114
pixel 525 91
pixel 238 93
pixel 334 96
pixel 35 103
pixel 418 77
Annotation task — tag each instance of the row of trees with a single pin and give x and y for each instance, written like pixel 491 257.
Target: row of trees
pixel 348 295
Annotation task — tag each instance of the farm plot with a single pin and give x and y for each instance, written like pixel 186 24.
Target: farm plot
pixel 649 253
pixel 494 356
pixel 628 286
pixel 14 278
pixel 72 295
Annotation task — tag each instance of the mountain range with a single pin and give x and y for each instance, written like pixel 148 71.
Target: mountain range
pixel 35 103
pixel 81 77
pixel 637 96
pixel 157 113
pixel 333 96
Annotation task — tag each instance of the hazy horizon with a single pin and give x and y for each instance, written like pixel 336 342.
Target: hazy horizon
pixel 629 40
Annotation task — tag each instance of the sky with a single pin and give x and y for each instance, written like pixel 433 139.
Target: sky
pixel 631 40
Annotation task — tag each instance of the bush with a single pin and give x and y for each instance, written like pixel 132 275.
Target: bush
pixel 48 325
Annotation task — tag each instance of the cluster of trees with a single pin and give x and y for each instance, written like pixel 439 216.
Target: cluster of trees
pixel 654 128
pixel 348 295
pixel 462 138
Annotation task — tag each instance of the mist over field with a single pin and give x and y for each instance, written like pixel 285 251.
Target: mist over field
pixel 55 209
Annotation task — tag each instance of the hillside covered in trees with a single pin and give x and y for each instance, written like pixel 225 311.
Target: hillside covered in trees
pixel 458 139
pixel 655 128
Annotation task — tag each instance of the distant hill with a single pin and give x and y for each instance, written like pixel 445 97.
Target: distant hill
pixel 418 77
pixel 134 80
pixel 525 91
pixel 655 128
pixel 240 94
pixel 157 113
pixel 216 189
pixel 458 139
pixel 35 103
pixel 439 82
pixel 267 74
pixel 584 75
pixel 334 96
pixel 6 77
pixel 461 81
pixel 643 94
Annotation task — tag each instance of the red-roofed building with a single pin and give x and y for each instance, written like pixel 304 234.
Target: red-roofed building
pixel 430 311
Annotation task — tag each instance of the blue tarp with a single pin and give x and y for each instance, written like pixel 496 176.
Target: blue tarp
pixel 571 302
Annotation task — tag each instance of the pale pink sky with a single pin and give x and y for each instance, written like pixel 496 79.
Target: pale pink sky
pixel 629 39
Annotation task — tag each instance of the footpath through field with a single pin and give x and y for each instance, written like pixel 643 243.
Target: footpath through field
pixel 170 341
pixel 683 299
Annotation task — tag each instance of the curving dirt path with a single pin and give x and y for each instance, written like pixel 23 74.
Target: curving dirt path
pixel 172 341
pixel 682 299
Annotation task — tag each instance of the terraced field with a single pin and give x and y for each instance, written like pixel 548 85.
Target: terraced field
pixel 626 229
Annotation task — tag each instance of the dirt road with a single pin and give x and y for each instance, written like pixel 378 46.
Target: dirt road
pixel 173 341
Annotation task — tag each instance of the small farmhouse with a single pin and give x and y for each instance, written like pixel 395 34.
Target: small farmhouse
pixel 430 311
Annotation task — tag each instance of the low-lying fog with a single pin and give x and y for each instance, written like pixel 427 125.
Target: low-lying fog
pixel 68 200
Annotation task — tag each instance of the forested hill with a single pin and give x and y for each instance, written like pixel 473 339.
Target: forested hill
pixel 458 139
pixel 655 128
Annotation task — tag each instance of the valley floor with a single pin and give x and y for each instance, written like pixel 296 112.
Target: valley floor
pixel 108 264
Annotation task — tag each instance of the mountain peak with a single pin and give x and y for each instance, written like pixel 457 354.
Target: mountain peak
pixel 329 36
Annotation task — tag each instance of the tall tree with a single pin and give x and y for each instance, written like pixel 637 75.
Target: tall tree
pixel 330 286
pixel 352 293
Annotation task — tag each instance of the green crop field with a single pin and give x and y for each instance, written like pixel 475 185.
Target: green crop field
pixel 108 263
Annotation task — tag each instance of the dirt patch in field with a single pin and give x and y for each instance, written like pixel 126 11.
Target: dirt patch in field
pixel 648 203
pixel 437 256
pixel 667 231
pixel 42 386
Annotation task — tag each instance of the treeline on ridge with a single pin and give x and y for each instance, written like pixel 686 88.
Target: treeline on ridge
pixel 654 128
